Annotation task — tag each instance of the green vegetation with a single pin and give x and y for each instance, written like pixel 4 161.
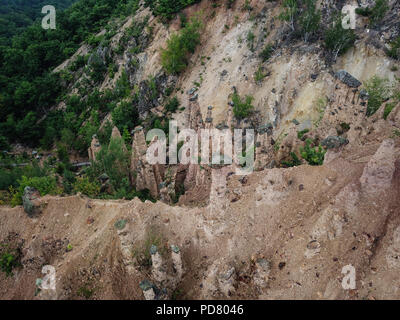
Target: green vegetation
pixel 259 75
pixel 388 109
pixel 10 257
pixel 85 292
pixel 337 39
pixel 167 9
pixel 295 161
pixel 172 105
pixel 267 52
pixel 15 16
pixel 301 134
pixel 8 261
pixel 85 186
pixel 114 162
pixel 378 11
pixel 289 12
pixel 242 108
pixel 309 20
pixel 141 252
pixel 302 17
pixel 394 51
pixel 379 90
pixel 375 14
pixel 174 58
pixel 29 88
pixel 250 40
pixel 45 185
pixel 313 155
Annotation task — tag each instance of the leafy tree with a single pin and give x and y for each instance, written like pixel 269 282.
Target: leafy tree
pixel 113 161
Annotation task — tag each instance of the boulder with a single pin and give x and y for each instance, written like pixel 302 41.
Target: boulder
pixel 30 201
pixel 333 142
pixel 348 79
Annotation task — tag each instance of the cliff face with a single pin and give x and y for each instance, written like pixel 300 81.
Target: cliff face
pixel 277 233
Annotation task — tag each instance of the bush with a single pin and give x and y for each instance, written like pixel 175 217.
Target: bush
pixel 313 155
pixel 85 186
pixel 289 13
pixel 172 105
pixel 125 115
pixel 301 134
pixel 174 58
pixel 267 52
pixel 259 75
pixel 379 90
pixel 394 51
pixel 337 39
pixel 388 109
pixel 242 109
pixel 167 9
pixel 8 261
pixel 250 40
pixel 378 11
pixel 309 20
pixel 292 163
pixel 45 185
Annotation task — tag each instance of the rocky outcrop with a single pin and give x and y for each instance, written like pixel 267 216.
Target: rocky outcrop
pixel 347 79
pixel 94 148
pixel 143 175
pixel 31 201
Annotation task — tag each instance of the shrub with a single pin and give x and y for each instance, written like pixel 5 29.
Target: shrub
pixel 267 52
pixel 378 11
pixel 174 58
pixel 242 108
pixel 301 134
pixel 366 12
pixel 292 163
pixel 125 115
pixel 337 39
pixel 394 51
pixel 388 109
pixel 250 40
pixel 259 75
pixel 8 261
pixel 45 185
pixel 87 187
pixel 167 9
pixel 172 105
pixel 310 19
pixel 379 90
pixel 289 13
pixel 313 155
